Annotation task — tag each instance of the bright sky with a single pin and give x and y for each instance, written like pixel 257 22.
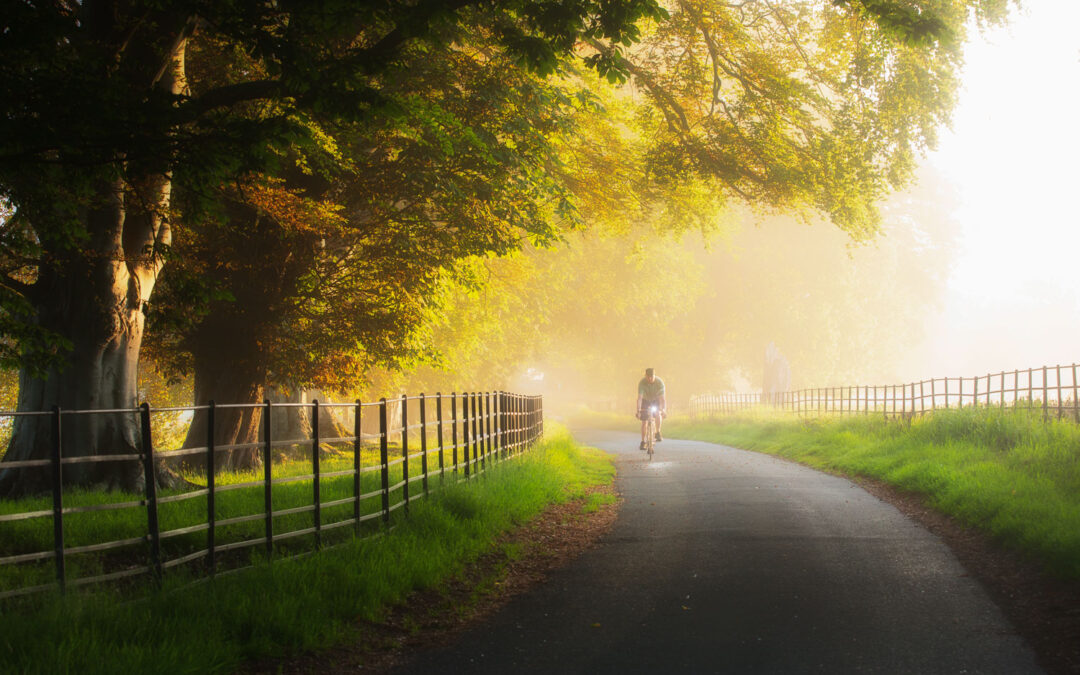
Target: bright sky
pixel 1014 156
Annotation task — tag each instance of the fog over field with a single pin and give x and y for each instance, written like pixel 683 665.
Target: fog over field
pixel 974 271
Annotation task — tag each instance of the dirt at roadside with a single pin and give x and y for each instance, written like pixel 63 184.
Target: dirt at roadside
pixel 518 561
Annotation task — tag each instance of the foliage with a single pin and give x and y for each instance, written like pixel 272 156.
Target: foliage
pixel 459 171
pixel 99 104
pixel 593 314
pixel 800 106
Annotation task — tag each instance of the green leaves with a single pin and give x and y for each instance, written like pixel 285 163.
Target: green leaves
pixel 904 22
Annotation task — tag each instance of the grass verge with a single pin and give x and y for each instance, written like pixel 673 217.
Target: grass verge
pixel 302 604
pixel 1006 473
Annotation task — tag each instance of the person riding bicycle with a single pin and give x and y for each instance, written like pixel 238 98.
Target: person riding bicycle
pixel 650 392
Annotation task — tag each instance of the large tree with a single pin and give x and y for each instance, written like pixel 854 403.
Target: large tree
pixel 330 269
pixel 102 123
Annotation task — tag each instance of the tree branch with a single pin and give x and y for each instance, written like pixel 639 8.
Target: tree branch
pixel 16 286
pixel 654 88
pixel 231 94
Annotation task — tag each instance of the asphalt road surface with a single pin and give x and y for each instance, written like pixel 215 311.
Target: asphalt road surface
pixel 727 561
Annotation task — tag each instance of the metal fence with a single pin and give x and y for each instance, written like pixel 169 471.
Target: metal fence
pixel 1050 389
pixel 313 492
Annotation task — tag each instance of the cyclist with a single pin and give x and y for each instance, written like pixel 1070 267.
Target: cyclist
pixel 650 392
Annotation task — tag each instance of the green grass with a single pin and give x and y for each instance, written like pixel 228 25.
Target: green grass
pixel 292 605
pixel 82 529
pixel 1006 473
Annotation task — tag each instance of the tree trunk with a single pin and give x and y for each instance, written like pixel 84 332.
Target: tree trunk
pixel 94 295
pixel 98 306
pixel 224 380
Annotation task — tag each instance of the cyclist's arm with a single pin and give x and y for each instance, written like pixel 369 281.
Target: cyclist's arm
pixel 637 407
pixel 663 404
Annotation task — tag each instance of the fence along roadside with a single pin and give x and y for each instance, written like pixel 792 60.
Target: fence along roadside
pixel 301 511
pixel 1056 386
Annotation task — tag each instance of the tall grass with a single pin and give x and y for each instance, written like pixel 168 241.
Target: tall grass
pixel 300 604
pixel 1005 472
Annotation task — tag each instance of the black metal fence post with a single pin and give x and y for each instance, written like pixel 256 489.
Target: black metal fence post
pixel 268 499
pixel 151 493
pixel 58 499
pixel 316 491
pixel 357 434
pixel 211 469
pixel 384 459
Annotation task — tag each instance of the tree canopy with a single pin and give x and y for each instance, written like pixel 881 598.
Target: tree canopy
pixel 310 176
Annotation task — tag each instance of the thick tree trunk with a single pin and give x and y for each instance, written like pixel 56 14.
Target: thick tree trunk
pixel 294 423
pixel 98 306
pixel 94 294
pixel 228 381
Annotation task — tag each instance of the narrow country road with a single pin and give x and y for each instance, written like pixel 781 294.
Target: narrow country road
pixel 727 561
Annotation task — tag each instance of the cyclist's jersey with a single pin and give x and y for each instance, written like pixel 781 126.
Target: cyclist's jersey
pixel 650 391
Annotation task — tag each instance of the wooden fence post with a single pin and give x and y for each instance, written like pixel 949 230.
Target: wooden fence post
pixel 423 443
pixel 439 418
pixel 151 493
pixel 384 461
pixel 465 431
pixel 211 470
pixel 405 450
pixel 58 498
pixel 315 471
pixel 478 460
pixel 1046 395
pixel 454 428
pixel 357 442
pixel 268 496
pixel 1058 369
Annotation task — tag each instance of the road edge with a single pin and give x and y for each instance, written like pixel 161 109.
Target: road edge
pixel 518 561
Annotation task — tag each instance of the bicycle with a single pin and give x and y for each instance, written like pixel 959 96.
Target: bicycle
pixel 650 430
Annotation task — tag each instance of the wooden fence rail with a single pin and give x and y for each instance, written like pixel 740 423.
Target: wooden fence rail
pixel 1051 389
pixel 302 503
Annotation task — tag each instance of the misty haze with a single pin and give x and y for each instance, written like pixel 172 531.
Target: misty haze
pixel 539 336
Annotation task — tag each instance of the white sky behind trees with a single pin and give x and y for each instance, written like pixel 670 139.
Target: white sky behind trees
pixel 1013 157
